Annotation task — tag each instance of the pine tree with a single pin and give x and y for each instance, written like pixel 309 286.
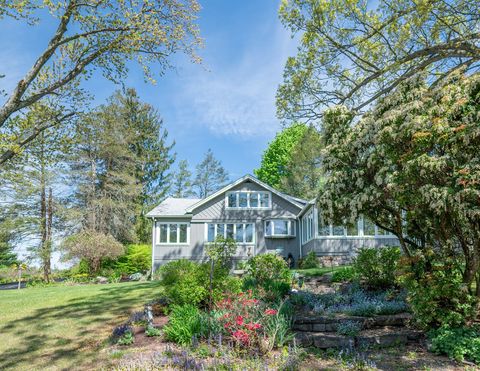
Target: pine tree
pixel 210 175
pixel 182 181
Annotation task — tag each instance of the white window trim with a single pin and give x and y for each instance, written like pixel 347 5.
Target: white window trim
pixel 269 207
pixel 361 235
pixel 308 226
pixel 234 232
pixel 290 228
pixel 157 233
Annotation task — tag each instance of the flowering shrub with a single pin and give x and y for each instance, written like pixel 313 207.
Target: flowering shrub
pixel 246 320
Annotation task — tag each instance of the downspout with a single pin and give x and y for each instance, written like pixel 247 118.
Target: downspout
pixel 153 247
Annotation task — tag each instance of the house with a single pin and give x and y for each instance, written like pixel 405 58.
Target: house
pixel 260 219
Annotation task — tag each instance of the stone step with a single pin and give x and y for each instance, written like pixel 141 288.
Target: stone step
pixel 386 337
pixel 329 324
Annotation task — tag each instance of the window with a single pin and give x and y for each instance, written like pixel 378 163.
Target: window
pixel 240 232
pixel 308 228
pixel 279 228
pixel 368 227
pixel 248 200
pixel 172 233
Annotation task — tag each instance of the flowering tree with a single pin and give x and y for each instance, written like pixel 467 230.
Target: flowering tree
pixel 412 166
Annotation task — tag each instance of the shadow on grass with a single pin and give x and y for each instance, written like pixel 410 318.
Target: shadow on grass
pixel 42 346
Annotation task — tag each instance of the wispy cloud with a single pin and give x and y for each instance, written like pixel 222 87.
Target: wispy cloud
pixel 238 98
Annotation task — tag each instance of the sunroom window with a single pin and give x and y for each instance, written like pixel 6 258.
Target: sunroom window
pixel 248 200
pixel 279 228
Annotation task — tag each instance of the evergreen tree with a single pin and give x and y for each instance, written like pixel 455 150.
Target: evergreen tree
pixel 210 175
pixel 120 167
pixel 7 255
pixel 182 181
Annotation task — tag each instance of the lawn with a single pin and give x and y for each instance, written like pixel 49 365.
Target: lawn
pixel 64 327
pixel 317 272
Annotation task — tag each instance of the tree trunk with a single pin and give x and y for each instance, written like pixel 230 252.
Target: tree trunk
pixel 47 268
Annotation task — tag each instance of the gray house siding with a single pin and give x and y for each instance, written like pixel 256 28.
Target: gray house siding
pixel 215 211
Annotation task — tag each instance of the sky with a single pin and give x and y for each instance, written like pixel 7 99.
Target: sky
pixel 227 103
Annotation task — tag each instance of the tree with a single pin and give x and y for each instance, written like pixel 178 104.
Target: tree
pixel 412 166
pixel 279 154
pixel 119 167
pixel 182 181
pixel 354 52
pixel 93 247
pixel 7 255
pixel 95 35
pixel 210 175
pixel 303 173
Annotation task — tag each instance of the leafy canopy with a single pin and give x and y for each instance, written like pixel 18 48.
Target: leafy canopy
pixel 354 51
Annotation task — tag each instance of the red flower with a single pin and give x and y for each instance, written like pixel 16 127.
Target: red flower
pixel 253 326
pixel 241 336
pixel 239 320
pixel 227 325
pixel 271 312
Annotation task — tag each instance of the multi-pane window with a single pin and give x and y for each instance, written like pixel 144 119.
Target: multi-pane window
pixel 248 200
pixel 172 233
pixel 279 228
pixel 240 232
pixel 361 227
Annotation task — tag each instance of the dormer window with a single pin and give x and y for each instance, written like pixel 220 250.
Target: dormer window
pixel 248 200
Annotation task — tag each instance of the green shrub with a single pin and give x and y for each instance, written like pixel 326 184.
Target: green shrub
pixel 436 293
pixel 185 322
pixel 138 258
pixel 349 328
pixel 151 331
pixel 268 267
pixel 344 274
pixel 377 267
pixel 457 343
pixel 277 327
pixel 310 261
pixel 185 282
pixel 126 339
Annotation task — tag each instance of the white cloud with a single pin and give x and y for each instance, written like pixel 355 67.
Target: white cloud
pixel 239 99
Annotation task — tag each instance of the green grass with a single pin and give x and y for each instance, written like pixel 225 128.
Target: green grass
pixel 317 272
pixel 64 327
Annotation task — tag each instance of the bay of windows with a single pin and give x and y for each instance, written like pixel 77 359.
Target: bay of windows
pixel 248 200
pixel 240 232
pixel 172 233
pixel 279 228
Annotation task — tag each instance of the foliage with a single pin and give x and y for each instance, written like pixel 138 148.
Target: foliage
pixel 377 267
pixel 106 37
pixel 349 328
pixel 436 292
pixel 458 343
pixel 303 176
pixel 119 167
pixel 344 274
pixel 185 282
pixel 126 339
pixel 210 175
pixel 351 53
pixel 151 331
pixel 182 181
pixel 354 301
pixel 251 324
pixel 268 267
pixel 92 247
pixel 411 166
pixel 7 255
pixel 221 251
pixel 310 261
pixel 184 323
pixel 136 259
pixel 279 154
pixel 268 275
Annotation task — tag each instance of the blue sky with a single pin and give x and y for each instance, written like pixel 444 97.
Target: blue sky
pixel 227 103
